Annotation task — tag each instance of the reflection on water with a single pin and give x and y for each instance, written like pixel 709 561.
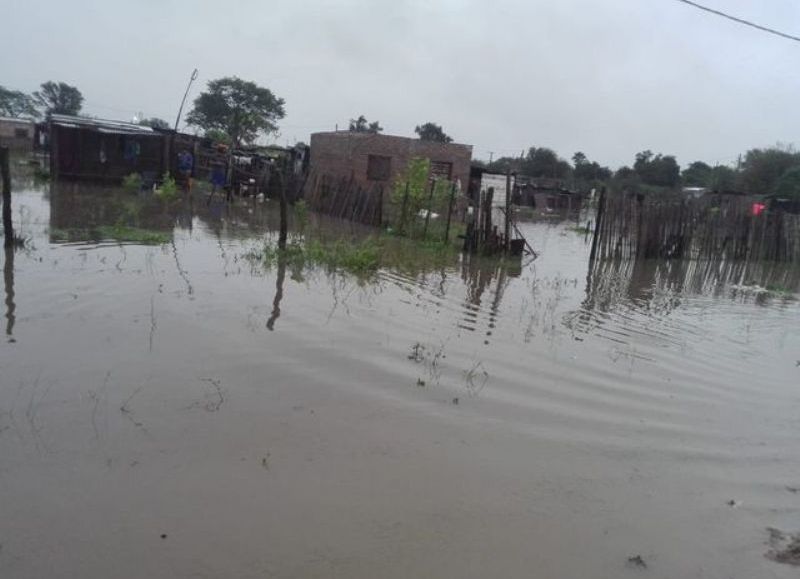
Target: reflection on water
pixel 432 412
pixel 276 302
pixel 8 282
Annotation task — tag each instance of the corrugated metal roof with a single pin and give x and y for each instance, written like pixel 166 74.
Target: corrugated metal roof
pixel 101 125
pixel 16 120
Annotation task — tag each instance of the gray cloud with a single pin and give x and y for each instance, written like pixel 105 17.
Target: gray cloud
pixel 609 78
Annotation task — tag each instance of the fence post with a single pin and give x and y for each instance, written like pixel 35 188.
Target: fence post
pixel 402 227
pixel 282 234
pixel 450 212
pixel 507 230
pixel 8 229
pixel 601 207
pixel 428 214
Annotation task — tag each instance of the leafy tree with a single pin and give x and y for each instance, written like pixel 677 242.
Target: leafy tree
pixel 14 103
pixel 361 125
pixel 579 158
pixel 788 186
pixel 155 123
pixel 762 168
pixel 659 170
pixel 722 178
pixel 698 174
pixel 506 165
pixel 625 172
pixel 241 109
pixel 589 171
pixel 432 132
pixel 58 98
pixel 217 136
pixel 544 162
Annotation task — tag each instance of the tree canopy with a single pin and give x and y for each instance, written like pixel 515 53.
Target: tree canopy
pixel 788 186
pixel 586 170
pixel 241 109
pixel 155 123
pixel 762 168
pixel 659 170
pixel 697 174
pixel 15 103
pixel 58 98
pixel 432 132
pixel 361 125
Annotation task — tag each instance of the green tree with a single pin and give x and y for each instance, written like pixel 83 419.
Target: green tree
pixel 15 103
pixel 155 123
pixel 658 170
pixel 762 168
pixel 432 132
pixel 58 98
pixel 625 172
pixel 506 165
pixel 361 125
pixel 586 170
pixel 544 162
pixel 788 186
pixel 579 158
pixel 698 174
pixel 218 136
pixel 722 178
pixel 241 109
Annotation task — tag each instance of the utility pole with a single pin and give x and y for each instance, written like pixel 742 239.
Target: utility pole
pixel 188 86
pixel 491 156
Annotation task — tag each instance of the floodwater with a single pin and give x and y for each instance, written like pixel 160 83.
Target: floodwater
pixel 179 411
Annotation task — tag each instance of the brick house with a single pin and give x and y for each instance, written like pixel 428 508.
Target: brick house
pixel 16 133
pixel 373 159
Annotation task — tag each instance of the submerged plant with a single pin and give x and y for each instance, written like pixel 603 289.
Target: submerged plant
pixel 301 215
pixel 168 190
pixel 132 182
pixel 361 257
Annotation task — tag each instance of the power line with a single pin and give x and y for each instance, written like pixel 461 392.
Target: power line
pixel 740 20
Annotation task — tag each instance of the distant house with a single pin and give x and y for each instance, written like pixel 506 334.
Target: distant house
pixel 370 159
pixel 16 134
pixel 104 150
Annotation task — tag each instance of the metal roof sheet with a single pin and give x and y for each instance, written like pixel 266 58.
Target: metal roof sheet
pixel 101 125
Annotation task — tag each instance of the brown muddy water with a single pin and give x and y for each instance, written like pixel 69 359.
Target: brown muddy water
pixel 177 411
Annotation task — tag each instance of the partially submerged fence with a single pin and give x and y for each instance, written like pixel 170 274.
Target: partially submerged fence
pixel 676 226
pixel 345 198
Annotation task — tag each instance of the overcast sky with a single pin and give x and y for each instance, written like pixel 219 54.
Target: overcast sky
pixel 609 78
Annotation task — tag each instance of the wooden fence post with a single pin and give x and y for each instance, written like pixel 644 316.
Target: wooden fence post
pixel 507 229
pixel 428 214
pixel 450 212
pixel 401 229
pixel 8 229
pixel 282 234
pixel 601 207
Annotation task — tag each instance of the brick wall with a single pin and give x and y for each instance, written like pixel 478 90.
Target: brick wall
pixel 346 154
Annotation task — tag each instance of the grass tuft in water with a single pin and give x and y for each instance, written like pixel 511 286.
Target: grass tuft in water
pixel 111 232
pixel 361 257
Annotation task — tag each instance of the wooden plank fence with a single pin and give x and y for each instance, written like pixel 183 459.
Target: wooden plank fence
pixel 345 198
pixel 676 226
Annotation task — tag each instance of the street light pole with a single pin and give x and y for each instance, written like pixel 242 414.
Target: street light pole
pixel 183 102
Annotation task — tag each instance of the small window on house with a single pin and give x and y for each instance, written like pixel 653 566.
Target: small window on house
pixel 378 168
pixel 21 133
pixel 441 170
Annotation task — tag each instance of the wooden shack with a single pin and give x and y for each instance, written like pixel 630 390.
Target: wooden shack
pixel 104 150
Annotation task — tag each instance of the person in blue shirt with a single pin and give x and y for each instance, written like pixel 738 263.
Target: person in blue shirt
pixel 185 166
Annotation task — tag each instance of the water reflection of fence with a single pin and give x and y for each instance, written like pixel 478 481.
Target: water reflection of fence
pixel 715 226
pixel 345 198
pixel 656 285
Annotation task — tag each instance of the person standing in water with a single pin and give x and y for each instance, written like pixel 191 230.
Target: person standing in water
pixel 185 166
